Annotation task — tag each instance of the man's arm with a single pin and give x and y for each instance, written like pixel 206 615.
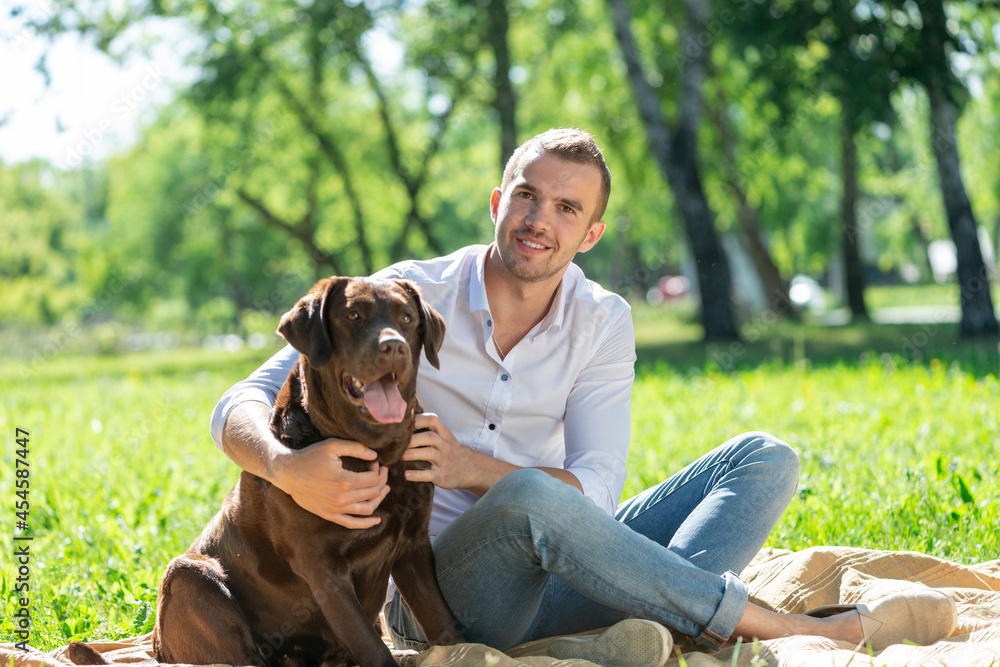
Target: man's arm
pixel 598 419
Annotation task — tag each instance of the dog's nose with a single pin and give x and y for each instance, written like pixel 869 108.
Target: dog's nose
pixel 392 344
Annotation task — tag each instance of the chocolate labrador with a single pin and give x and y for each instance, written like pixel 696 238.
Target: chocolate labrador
pixel 268 583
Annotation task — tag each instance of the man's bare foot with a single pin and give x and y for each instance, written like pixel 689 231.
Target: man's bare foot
pixel 918 615
pixel 844 627
pixel 759 623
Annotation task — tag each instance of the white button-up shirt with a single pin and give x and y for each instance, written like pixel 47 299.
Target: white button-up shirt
pixel 560 398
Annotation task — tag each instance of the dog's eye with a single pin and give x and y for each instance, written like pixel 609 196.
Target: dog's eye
pixel 406 318
pixel 353 315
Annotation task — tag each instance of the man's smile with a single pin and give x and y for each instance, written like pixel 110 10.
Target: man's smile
pixel 531 245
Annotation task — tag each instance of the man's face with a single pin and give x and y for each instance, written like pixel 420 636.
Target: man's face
pixel 543 218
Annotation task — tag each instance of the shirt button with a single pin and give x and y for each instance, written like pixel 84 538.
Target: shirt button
pixel 489 323
pixel 504 377
pixel 493 427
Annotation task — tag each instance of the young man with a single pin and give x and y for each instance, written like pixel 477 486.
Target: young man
pixel 528 422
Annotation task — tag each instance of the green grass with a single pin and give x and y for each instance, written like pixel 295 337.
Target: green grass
pixel 673 335
pixel 123 476
pixel 898 450
pixel 893 457
pixel 882 296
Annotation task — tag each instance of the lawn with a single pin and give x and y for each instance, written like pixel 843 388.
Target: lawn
pixel 881 296
pixel 898 449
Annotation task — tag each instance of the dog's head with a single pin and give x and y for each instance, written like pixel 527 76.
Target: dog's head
pixel 362 338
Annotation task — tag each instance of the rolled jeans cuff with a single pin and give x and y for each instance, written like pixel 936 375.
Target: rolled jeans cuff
pixel 729 612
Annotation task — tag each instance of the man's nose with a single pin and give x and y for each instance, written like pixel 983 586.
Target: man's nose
pixel 538 217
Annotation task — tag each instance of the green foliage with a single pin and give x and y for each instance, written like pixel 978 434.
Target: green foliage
pixel 36 257
pixel 785 161
pixel 232 202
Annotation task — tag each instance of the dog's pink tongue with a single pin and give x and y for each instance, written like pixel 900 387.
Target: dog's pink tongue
pixel 384 402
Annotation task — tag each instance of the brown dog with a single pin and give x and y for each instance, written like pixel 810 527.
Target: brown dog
pixel 268 583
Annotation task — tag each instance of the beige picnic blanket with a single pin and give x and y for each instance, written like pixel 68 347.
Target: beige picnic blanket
pixel 780 580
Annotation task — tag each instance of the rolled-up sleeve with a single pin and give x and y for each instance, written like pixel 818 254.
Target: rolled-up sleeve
pixel 262 386
pixel 599 416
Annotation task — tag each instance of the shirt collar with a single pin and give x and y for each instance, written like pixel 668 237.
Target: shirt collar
pixel 554 318
pixel 479 302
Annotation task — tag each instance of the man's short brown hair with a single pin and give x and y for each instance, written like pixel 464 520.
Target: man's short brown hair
pixel 568 144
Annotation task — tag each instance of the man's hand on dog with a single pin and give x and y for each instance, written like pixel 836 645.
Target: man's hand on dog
pixel 453 465
pixel 433 442
pixel 316 479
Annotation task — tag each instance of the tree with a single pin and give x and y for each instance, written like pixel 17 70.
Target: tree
pixel 274 61
pixel 768 163
pixel 505 101
pixel 834 47
pixel 747 214
pixel 946 94
pixel 36 247
pixel 676 152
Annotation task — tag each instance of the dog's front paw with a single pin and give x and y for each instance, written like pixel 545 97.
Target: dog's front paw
pixel 81 654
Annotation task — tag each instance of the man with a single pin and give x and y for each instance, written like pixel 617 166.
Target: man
pixel 528 427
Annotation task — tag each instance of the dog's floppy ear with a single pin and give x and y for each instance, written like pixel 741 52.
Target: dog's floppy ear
pixel 304 326
pixel 432 326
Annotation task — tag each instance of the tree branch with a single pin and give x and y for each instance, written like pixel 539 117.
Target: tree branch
pixel 412 182
pixel 329 148
pixel 266 213
pixel 301 232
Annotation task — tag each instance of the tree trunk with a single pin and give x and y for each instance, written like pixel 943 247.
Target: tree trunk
pixel 978 316
pixel 996 245
pixel 676 154
pixel 712 268
pixel 854 270
pixel 775 286
pixel 505 101
pixel 918 235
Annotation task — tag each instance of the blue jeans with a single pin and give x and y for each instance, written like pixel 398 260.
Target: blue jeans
pixel 535 558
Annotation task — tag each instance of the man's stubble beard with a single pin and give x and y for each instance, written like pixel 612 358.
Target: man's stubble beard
pixel 540 273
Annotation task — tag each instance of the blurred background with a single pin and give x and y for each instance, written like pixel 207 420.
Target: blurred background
pixel 179 172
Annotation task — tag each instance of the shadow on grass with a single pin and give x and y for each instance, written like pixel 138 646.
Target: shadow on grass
pixel 676 341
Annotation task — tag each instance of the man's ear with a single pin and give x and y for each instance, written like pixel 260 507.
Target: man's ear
pixel 594 234
pixel 495 204
pixel 304 326
pixel 432 327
